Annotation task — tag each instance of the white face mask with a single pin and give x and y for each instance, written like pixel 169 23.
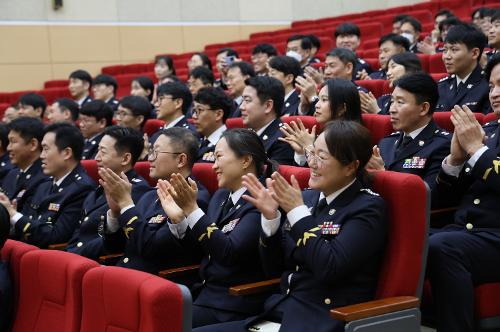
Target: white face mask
pixel 408 36
pixel 295 55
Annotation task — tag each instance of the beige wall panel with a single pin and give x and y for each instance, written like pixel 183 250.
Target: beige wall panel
pixel 273 10
pixel 210 10
pixel 357 6
pixel 143 43
pixel 62 70
pixel 24 44
pixel 304 10
pixel 246 30
pixel 84 43
pixel 84 10
pixel 23 76
pixel 24 10
pixel 149 10
pixel 196 37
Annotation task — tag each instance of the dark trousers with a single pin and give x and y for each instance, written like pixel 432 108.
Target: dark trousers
pixel 205 316
pixel 459 260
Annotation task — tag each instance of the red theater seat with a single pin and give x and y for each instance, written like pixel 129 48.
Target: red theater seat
pixel 490 117
pixel 50 295
pixel 436 64
pixel 301 174
pixel 142 168
pixel 424 61
pixel 235 123
pixel 375 86
pixel 119 299
pixel 308 121
pixel 91 169
pixel 151 126
pixel 204 173
pixel 378 125
pixel 443 120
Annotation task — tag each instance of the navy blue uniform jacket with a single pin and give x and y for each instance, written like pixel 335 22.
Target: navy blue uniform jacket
pixel 277 150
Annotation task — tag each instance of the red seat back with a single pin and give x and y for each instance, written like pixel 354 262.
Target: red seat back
pixel 403 267
pixel 378 125
pixel 50 296
pixel 490 117
pixel 375 86
pixel 151 126
pixel 308 121
pixel 436 64
pixel 142 168
pixel 235 123
pixel 301 174
pixel 204 173
pixel 90 166
pixel 118 299
pixel 443 120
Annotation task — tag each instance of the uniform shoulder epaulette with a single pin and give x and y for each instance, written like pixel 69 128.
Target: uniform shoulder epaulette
pixel 446 78
pixel 361 61
pixel 136 180
pixel 395 133
pixel 441 132
pixel 369 191
pixel 492 123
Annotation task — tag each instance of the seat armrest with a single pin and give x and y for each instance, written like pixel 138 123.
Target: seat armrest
pixel 179 271
pixel 58 246
pixel 255 287
pixel 444 210
pixel 374 308
pixel 111 259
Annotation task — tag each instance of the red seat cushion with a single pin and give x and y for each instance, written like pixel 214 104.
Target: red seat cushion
pixel 302 174
pixel 486 298
pixel 235 123
pixel 151 126
pixel 204 173
pixel 90 166
pixel 375 86
pixel 443 120
pixel 142 168
pixel 378 125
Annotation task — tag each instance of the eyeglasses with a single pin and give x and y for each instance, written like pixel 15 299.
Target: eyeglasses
pixel 161 98
pixel 311 157
pixel 123 114
pixel 198 110
pixel 153 154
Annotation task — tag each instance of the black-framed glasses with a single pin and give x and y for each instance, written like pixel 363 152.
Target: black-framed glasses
pixel 153 154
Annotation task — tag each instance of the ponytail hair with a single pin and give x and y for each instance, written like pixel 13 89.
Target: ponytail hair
pixel 245 142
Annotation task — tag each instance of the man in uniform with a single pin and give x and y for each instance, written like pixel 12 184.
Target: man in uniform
pixel 52 215
pixel 94 117
pixel 79 85
pixel 5 164
pixel 119 150
pixel 462 255
pixel 465 84
pixel 286 69
pixel 104 88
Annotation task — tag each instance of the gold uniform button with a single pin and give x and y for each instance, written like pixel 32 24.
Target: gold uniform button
pixel 477 201
pixel 469 226
pixel 125 260
pixel 328 301
pixel 79 244
pixel 49 218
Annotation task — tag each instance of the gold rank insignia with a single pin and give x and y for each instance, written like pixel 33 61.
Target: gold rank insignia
pixel 308 235
pixel 54 207
pixel 209 231
pixel 496 164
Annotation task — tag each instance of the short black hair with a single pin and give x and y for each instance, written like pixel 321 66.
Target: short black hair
pixel 177 90
pixel 494 61
pixel 468 35
pixel 107 80
pixel 422 86
pixel 245 68
pixel 183 140
pixel 147 84
pixel 67 136
pixel 4 226
pixel 495 16
pixel 446 12
pixel 413 22
pixel 35 100
pixel 99 110
pixel 28 128
pixel 343 95
pixel 207 63
pixel 229 51
pixel 286 65
pixel 305 43
pixel 81 75
pixel 448 22
pixel 168 60
pixel 138 106
pixel 399 18
pixel 396 39
pixel 268 88
pixel 216 98
pixel 409 60
pixel 203 74
pixel 483 12
pixel 4 136
pixel 345 55
pixel 70 105
pixel 268 49
pixel 127 140
pixel 347 29
pixel 314 41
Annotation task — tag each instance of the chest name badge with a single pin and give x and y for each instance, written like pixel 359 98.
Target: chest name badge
pixel 415 162
pixel 157 219
pixel 330 228
pixel 230 226
pixel 54 207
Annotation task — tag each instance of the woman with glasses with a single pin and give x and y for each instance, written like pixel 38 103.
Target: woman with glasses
pixel 329 248
pixel 338 100
pixel 150 245
pixel 228 233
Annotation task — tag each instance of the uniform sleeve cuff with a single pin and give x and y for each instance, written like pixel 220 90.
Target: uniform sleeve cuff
pixel 270 227
pixel 112 223
pixel 475 157
pixel 122 211
pixel 193 218
pixel 297 213
pixel 178 230
pixel 15 218
pixel 451 170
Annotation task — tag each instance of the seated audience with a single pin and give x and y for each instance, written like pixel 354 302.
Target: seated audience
pixel 228 232
pixel 299 47
pixel 224 58
pixel 286 69
pixel 10 113
pixel 119 150
pixel 104 88
pixel 348 35
pixel 316 45
pixel 63 110
pixel 94 117
pixel 418 146
pixel 397 21
pixel 150 245
pixel 5 164
pixel 389 45
pixel 323 264
pixel 199 59
pixel 79 86
pixel 411 29
pixel 261 54
pixel 494 35
pixel 142 86
pixel 261 108
pixel 164 69
pixel 32 105
pixel 200 77
pixel 52 216
pixel 133 112
pixel 211 109
pixel 460 254
pixel 465 84
pixel 237 73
